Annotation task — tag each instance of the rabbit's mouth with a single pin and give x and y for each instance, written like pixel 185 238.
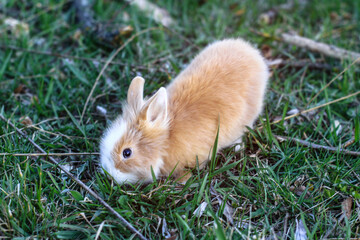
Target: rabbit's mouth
pixel 117 175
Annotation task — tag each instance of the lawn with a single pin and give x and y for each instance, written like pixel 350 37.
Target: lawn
pixel 273 188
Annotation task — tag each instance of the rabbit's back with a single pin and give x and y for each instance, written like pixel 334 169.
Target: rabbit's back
pixel 225 82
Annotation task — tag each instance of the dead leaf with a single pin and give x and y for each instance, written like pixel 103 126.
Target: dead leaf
pixel 102 111
pixel 299 191
pixel 66 167
pixel 346 206
pixel 164 230
pixel 126 31
pixel 25 120
pixel 173 235
pixel 20 89
pixel 266 51
pixel 300 233
pixel 200 210
pixel 239 12
pixel 300 180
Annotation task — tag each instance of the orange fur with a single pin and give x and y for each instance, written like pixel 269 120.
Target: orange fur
pixel 225 82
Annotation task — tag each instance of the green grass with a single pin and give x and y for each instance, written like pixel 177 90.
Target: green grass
pixel 267 185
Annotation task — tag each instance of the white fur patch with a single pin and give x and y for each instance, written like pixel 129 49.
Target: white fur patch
pixel 119 176
pixel 111 136
pixel 157 110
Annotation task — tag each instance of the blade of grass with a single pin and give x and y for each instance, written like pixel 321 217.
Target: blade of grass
pixel 219 231
pixel 5 64
pixel 202 189
pixel 77 124
pixel 213 159
pixel 357 128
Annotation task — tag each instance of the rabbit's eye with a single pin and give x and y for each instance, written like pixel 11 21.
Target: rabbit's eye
pixel 127 153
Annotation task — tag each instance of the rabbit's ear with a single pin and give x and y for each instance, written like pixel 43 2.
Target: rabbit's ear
pixel 155 109
pixel 135 93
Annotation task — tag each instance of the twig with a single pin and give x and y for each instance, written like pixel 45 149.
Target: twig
pixel 317 146
pixel 314 108
pixel 323 48
pixel 108 62
pixel 332 80
pixel 78 181
pixel 48 154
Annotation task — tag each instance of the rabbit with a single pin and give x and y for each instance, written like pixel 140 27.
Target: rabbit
pixel 223 87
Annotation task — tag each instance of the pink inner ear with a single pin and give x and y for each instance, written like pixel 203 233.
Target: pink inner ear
pixel 153 119
pixel 157 110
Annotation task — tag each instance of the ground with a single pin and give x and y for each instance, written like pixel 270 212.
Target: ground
pixel 48 67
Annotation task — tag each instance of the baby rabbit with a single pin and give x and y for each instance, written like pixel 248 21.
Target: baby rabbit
pixel 223 86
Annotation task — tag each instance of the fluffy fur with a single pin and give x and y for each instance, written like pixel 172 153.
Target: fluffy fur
pixel 226 82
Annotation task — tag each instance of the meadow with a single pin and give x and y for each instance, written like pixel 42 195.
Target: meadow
pixel 54 87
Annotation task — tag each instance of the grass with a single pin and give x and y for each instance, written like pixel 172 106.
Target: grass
pixel 258 192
